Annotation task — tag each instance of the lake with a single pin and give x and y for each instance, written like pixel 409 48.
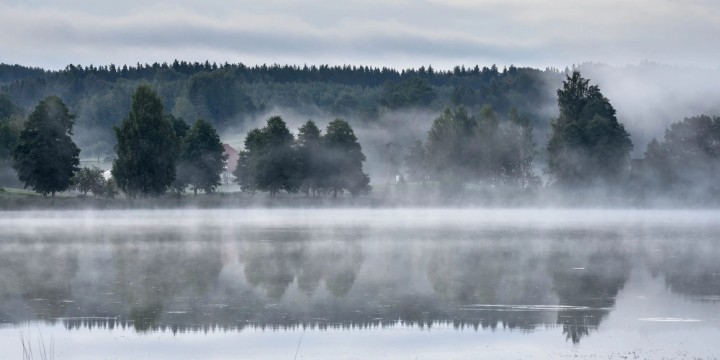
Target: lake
pixel 360 284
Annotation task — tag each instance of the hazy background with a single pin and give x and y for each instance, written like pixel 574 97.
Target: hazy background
pixel 654 60
pixel 397 33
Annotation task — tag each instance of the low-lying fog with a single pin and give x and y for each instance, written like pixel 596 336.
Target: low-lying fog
pixel 545 282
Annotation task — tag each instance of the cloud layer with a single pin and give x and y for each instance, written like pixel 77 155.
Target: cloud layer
pixel 399 33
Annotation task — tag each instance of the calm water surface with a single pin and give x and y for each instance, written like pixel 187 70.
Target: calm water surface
pixel 360 284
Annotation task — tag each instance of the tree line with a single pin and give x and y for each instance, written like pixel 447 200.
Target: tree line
pixel 158 152
pixel 228 95
pixel 588 148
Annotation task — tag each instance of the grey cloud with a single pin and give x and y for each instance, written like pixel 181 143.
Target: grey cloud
pixel 406 33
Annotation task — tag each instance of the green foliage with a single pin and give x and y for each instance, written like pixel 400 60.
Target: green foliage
pixel 268 162
pixel 477 149
pixel 227 95
pixel 520 151
pixel 110 190
pixel 247 166
pixel 216 96
pixel 7 107
pixel 309 156
pixel 89 179
pixel 343 161
pixel 447 145
pixel 46 157
pixel 202 158
pixel 146 147
pixel 10 129
pixel 688 159
pixel 409 92
pixel 588 145
pixel 272 161
pixel 180 127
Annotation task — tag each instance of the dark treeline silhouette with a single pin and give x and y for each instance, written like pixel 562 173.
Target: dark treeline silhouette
pixel 345 74
pixel 315 163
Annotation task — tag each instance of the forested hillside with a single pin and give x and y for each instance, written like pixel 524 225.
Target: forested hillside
pixel 230 96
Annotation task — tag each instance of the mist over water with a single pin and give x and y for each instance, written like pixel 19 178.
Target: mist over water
pixel 542 282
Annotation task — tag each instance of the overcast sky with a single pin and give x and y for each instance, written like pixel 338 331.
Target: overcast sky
pixel 397 33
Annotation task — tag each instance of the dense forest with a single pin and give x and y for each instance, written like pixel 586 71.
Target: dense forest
pixel 230 96
pixel 484 128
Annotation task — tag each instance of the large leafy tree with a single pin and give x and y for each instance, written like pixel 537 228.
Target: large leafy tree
pixel 310 153
pixel 344 160
pixel 447 144
pixel 268 162
pixel 588 145
pixel 246 169
pixel 46 157
pixel 482 149
pixel 688 158
pixel 90 179
pixel 519 152
pixel 146 147
pixel 202 158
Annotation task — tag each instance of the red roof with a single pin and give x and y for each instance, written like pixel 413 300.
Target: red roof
pixel 233 157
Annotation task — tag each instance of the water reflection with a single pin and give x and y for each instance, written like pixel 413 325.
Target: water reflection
pixel 228 276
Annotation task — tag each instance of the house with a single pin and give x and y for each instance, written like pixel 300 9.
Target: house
pixel 231 164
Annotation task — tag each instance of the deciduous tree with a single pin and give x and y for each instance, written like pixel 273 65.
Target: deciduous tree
pixel 268 162
pixel 46 157
pixel 310 152
pixel 344 160
pixel 202 158
pixel 89 179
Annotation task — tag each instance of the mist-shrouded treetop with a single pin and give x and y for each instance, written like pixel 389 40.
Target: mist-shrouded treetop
pixel 447 142
pixel 202 158
pixel 89 179
pixel 231 96
pixel 46 157
pixel 483 149
pixel 268 161
pixel 687 161
pixel 344 160
pixel 273 161
pixel 588 145
pixel 146 147
pixel 310 169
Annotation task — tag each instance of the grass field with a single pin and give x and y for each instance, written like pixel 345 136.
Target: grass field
pixel 12 192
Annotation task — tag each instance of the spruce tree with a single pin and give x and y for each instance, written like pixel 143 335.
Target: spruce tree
pixel 146 148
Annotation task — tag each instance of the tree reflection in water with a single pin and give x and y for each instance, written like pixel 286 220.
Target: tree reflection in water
pixel 351 277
